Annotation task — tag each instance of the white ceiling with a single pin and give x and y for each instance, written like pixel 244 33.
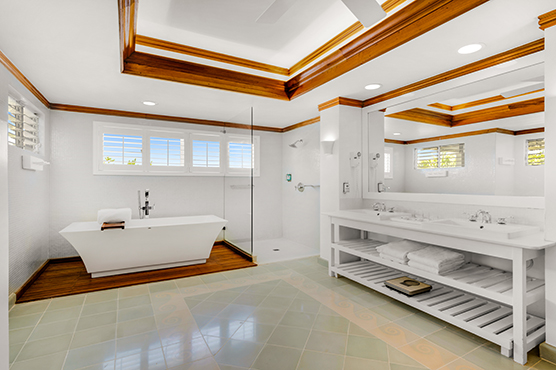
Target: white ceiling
pixel 70 51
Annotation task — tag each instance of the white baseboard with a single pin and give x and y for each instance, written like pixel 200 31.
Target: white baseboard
pixel 11 301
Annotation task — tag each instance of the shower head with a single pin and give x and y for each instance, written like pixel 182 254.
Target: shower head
pixel 297 143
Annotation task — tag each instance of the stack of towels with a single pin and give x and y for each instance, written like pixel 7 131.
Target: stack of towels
pixel 425 257
pixel 436 260
pixel 398 251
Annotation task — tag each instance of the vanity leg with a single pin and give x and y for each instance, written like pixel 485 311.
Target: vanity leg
pixel 334 253
pixel 506 352
pixel 519 306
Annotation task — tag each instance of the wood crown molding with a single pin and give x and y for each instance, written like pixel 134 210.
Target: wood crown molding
pixel 464 134
pixel 547 20
pixel 482 115
pixel 340 101
pixel 6 62
pixel 207 54
pixel 301 124
pixel 518 52
pixel 475 103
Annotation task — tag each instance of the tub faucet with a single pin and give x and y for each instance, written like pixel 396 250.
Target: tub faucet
pixel 145 210
pixel 484 216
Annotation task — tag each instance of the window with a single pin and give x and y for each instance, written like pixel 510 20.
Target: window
pixel 443 156
pixel 535 152
pixel 388 157
pixel 122 149
pixel 150 151
pixel 23 126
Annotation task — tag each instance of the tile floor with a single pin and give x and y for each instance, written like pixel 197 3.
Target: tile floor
pixel 280 316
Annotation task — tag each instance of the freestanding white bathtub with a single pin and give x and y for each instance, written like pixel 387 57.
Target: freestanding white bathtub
pixel 148 244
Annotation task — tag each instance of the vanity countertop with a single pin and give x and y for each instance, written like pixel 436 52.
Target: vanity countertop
pixel 534 241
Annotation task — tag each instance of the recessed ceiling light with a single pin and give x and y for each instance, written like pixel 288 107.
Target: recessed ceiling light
pixel 469 49
pixel 397 133
pixel 149 103
pixel 373 86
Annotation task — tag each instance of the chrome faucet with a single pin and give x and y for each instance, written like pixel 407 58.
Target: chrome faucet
pixel 145 211
pixel 484 216
pixel 379 207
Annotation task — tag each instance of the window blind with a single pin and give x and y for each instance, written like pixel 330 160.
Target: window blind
pixel 443 156
pixel 122 149
pixel 23 126
pixel 206 154
pixel 167 151
pixel 240 155
pixel 535 152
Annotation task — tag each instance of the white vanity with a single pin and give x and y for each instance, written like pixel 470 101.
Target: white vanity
pixel 485 301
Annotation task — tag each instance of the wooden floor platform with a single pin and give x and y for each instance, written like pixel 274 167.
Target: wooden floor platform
pixel 69 276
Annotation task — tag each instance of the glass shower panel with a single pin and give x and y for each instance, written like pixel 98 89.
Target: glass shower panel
pixel 238 183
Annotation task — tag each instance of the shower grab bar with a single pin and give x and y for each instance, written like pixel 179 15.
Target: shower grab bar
pixel 301 187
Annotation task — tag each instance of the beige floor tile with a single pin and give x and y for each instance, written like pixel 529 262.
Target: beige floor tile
pixel 259 289
pixel 264 315
pixel 101 307
pixel 298 319
pixel 277 358
pixel 172 318
pixel 336 324
pixel 167 301
pixel 327 342
pixel 66 302
pixel 20 335
pixel 354 363
pixel 249 299
pixel 461 364
pixel 277 302
pixel 213 278
pixel 289 336
pixel 51 362
pixel 137 344
pixel 420 325
pixel 367 348
pixel 90 355
pixel 238 353
pixel 356 330
pixel 208 308
pixel 394 335
pixel 393 311
pixel 179 333
pixel 135 313
pixel 133 291
pixel 54 329
pixel 163 286
pixel 219 327
pixel 14 351
pixel 223 296
pixel 43 347
pixel 61 315
pixel 489 359
pixel 105 365
pixel 320 361
pixel 235 274
pixel 215 343
pixel 544 365
pixel 130 302
pixel 133 327
pixel 30 308
pixel 179 354
pixel 428 354
pixel 395 356
pixel 253 332
pixel 204 364
pixel 103 296
pixel 453 342
pixel 89 322
pixel 304 305
pixel 150 359
pixel 237 312
pixel 94 336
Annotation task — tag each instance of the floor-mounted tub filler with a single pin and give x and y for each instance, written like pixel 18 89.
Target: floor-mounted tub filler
pixel 148 244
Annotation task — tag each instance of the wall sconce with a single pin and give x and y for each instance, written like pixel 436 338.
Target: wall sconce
pixel 327 146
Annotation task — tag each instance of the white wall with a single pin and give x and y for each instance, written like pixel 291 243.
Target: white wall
pixel 28 198
pixel 528 180
pixel 301 211
pixel 397 183
pixel 77 195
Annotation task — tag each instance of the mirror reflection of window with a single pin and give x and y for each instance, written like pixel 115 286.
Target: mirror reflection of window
pixel 535 152
pixel 388 162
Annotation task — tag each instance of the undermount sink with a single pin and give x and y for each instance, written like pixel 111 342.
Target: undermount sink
pixel 455 225
pixel 379 215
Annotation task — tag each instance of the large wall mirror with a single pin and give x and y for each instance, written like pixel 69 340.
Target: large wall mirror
pixel 480 138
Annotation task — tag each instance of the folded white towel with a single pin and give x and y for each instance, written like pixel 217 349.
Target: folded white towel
pixel 399 250
pixel 435 257
pixel 393 259
pixel 439 271
pixel 110 215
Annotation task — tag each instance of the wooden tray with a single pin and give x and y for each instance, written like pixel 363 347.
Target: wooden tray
pixel 407 286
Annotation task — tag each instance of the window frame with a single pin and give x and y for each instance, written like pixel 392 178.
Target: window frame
pixel 145 169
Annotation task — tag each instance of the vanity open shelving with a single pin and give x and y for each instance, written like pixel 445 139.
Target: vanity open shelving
pixel 485 301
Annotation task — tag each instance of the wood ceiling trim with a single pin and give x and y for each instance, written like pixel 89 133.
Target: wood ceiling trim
pixel 390 5
pixel 128 29
pixel 475 103
pixel 6 62
pixel 301 124
pixel 462 134
pixel 547 20
pixel 414 20
pixel 207 54
pixel 341 101
pixel 159 117
pixel 518 52
pixel 499 112
pixel 390 141
pixel 529 131
pixel 424 116
pixel 168 69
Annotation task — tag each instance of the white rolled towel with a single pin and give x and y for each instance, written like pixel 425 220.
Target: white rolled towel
pixel 400 250
pixel 114 215
pixel 435 257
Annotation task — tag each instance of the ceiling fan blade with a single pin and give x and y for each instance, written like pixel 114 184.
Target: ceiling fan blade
pixel 275 11
pixel 523 90
pixel 368 12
